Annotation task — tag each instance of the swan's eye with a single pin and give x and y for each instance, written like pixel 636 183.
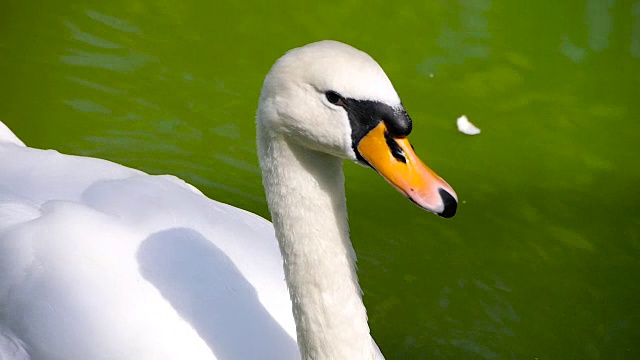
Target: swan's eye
pixel 335 98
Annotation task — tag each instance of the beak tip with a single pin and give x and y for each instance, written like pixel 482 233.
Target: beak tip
pixel 450 204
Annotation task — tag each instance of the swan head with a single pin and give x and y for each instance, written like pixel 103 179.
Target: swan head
pixel 330 97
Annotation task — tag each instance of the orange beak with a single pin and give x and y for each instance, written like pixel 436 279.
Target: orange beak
pixel 395 160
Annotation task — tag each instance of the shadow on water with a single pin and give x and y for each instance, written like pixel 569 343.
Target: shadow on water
pixel 199 281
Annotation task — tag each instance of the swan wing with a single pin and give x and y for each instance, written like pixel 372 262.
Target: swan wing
pixel 101 261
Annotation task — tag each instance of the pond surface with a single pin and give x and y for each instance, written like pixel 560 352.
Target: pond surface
pixel 542 260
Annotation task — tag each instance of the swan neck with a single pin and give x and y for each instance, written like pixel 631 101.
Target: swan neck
pixel 306 197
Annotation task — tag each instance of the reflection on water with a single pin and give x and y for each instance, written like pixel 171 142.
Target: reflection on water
pixel 543 259
pixel 465 39
pixel 635 35
pixel 600 23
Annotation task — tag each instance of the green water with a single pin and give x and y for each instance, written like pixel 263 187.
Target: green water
pixel 542 260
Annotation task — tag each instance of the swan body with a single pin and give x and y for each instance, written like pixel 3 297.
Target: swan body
pixel 100 261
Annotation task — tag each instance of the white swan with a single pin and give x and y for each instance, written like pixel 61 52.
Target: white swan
pixel 100 261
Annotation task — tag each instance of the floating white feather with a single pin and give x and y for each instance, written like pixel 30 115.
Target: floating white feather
pixel 466 127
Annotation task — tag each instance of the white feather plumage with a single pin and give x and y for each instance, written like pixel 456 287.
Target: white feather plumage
pixel 100 261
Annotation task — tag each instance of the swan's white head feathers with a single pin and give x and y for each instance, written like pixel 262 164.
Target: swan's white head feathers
pixel 331 65
pixel 294 103
pixel 335 99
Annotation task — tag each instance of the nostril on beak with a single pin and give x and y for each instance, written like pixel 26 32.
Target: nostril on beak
pixel 450 204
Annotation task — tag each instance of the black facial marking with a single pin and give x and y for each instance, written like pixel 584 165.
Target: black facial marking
pixel 400 125
pixel 396 150
pixel 365 115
